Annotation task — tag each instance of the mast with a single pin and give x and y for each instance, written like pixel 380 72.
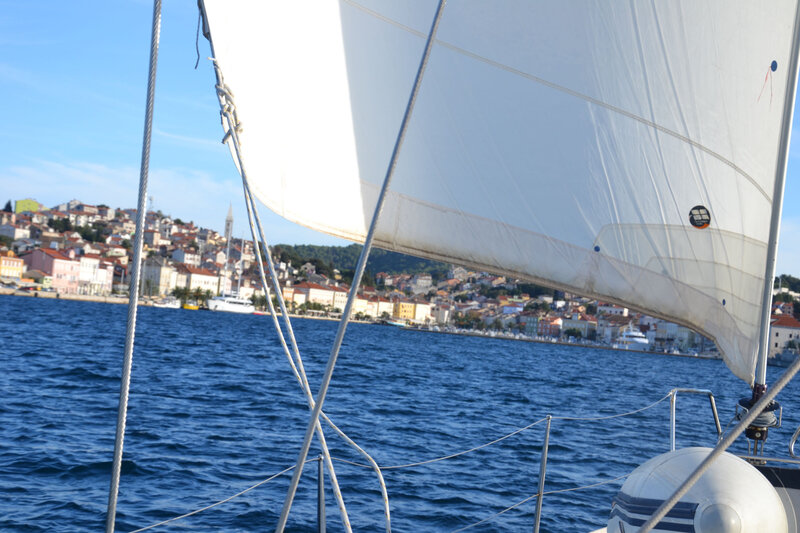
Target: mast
pixel 759 387
pixel 228 235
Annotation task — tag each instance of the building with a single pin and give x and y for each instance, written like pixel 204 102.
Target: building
pixel 442 313
pixel 784 329
pixel 96 276
pixel 549 326
pixel 11 266
pixel 611 309
pixel 28 204
pixel 15 231
pixel 339 297
pixel 63 269
pixel 158 277
pixel 422 311
pixel 197 278
pixel 186 256
pixel 316 293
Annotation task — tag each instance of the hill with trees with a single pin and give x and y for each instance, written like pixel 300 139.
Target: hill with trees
pixel 345 258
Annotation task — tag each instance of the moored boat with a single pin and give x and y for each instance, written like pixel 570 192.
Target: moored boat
pixel 231 304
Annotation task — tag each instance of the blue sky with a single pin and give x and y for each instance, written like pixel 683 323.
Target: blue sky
pixel 73 81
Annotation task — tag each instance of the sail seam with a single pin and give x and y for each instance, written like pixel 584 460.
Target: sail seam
pixel 570 92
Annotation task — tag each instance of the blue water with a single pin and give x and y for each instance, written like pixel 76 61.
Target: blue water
pixel 214 409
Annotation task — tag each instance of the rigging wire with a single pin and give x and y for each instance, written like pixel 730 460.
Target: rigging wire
pixel 515 432
pixel 359 272
pixel 533 497
pixel 226 500
pixel 133 298
pixel 429 461
pixel 228 111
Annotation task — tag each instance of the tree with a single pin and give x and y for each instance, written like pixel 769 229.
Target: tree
pixel 8 208
pixel 181 293
pixel 147 290
pixel 573 332
pixel 60 224
pixel 200 295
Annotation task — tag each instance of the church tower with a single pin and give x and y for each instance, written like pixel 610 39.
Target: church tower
pixel 229 224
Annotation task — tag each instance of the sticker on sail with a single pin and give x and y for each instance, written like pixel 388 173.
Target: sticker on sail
pixel 699 217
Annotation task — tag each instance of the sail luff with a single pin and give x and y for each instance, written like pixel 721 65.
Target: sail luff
pixel 777 208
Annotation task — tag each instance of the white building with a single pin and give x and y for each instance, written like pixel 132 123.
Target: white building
pixel 158 277
pixel 783 330
pixel 184 256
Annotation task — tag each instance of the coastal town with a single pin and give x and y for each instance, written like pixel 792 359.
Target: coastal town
pixel 77 250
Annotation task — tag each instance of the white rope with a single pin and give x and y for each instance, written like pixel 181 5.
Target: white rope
pixel 504 437
pixel 533 497
pixel 359 272
pixel 300 374
pixel 429 461
pixel 228 112
pixel 609 417
pixel 226 500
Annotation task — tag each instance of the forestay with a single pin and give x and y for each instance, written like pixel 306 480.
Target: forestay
pixel 625 151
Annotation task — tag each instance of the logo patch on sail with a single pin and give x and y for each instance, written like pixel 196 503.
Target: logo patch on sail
pixel 699 217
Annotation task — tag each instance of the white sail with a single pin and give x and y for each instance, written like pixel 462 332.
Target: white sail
pixel 565 142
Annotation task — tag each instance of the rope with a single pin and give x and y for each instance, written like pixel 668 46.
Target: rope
pixel 359 272
pixel 226 500
pixel 504 437
pixel 529 498
pixel 197 40
pixel 228 113
pixel 451 456
pixel 429 461
pixel 609 417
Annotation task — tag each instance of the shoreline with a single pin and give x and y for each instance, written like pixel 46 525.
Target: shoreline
pixel 465 333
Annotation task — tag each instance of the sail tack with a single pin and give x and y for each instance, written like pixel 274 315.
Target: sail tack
pixel 623 151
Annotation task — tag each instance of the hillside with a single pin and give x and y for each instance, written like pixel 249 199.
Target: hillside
pixel 344 258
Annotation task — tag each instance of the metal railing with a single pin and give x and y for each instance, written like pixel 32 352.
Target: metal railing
pixel 672 419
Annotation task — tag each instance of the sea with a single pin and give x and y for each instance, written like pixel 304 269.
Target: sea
pixel 215 409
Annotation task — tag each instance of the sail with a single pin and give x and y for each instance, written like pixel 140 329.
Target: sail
pixel 624 151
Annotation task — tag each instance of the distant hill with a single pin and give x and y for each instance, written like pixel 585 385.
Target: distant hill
pixel 344 258
pixel 789 282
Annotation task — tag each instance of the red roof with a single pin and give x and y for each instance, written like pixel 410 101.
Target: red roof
pixel 785 321
pixel 52 253
pixel 198 271
pixel 311 285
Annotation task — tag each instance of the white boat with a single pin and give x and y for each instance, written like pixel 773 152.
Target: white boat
pixel 633 337
pixel 231 304
pixel 630 152
pixel 168 303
